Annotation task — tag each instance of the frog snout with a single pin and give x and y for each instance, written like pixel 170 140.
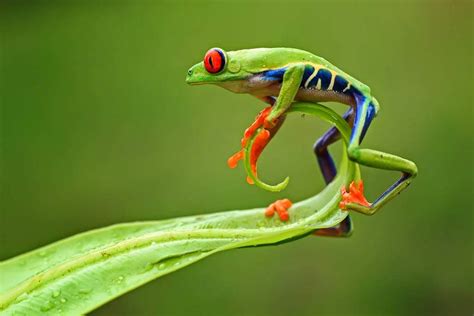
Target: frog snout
pixel 190 73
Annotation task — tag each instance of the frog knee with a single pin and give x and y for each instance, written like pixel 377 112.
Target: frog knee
pixel 353 153
pixel 413 169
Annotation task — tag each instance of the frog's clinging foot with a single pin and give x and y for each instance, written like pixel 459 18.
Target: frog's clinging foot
pixel 281 208
pixel 261 141
pixel 354 195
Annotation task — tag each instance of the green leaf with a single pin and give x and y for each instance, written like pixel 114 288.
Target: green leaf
pixel 80 273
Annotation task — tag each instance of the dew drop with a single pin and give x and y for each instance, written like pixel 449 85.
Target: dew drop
pixel 21 297
pixel 49 305
pixel 63 300
pixel 161 266
pixel 56 293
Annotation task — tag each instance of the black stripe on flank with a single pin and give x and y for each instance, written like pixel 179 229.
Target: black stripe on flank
pixel 308 71
pixel 340 84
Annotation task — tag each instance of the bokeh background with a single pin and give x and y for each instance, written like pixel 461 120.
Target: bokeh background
pixel 99 127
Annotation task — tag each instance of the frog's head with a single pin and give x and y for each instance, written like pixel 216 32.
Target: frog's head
pixel 217 67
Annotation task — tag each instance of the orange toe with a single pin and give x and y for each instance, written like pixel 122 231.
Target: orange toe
pixel 270 211
pixel 260 142
pixel 354 195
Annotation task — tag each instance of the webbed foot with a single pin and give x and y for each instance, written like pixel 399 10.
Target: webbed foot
pixel 281 208
pixel 354 196
pixel 261 140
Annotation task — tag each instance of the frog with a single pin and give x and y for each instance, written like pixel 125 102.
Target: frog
pixel 281 77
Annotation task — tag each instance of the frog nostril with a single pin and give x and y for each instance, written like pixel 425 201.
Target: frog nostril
pixel 190 72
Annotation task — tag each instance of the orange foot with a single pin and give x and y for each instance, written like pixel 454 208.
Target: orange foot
pixel 355 195
pixel 281 207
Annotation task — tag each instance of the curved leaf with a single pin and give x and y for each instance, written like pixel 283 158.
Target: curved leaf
pixel 80 273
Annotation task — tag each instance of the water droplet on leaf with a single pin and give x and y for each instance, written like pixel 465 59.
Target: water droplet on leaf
pixel 85 290
pixel 48 306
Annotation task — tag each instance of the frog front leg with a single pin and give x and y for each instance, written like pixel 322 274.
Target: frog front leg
pixel 354 199
pixel 343 229
pixel 289 88
pixel 320 148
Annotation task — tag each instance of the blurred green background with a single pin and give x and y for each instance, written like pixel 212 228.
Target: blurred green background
pixel 99 127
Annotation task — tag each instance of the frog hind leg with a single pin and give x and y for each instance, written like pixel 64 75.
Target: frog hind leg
pixel 365 110
pixel 328 169
pixel 343 229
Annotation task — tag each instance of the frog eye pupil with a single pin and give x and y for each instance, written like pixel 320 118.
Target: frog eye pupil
pixel 214 61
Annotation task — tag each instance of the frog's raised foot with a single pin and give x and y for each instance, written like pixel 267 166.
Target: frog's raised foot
pixel 281 208
pixel 354 195
pixel 262 139
pixel 283 77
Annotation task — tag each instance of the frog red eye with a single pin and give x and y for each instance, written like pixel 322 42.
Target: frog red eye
pixel 214 61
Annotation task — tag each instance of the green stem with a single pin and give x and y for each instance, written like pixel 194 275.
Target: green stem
pixel 318 110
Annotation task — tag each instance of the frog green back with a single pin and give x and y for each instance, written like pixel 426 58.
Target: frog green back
pixel 262 59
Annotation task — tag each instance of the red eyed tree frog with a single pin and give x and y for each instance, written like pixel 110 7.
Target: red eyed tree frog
pixel 282 76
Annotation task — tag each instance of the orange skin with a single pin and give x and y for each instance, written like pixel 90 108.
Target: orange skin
pixel 354 195
pixel 281 208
